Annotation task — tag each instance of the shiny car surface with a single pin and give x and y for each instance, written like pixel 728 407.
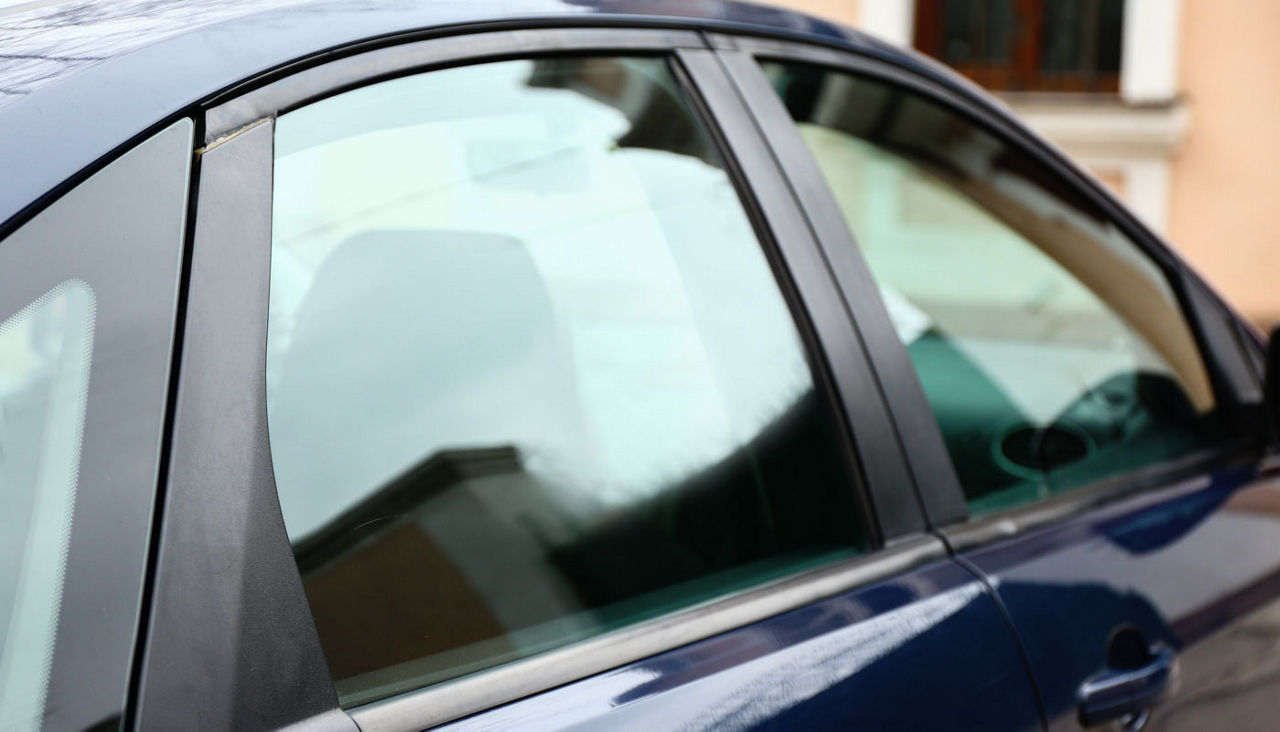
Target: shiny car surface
pixel 597 363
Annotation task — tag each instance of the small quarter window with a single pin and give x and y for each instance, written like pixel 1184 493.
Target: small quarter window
pixel 530 377
pixel 88 297
pixel 45 350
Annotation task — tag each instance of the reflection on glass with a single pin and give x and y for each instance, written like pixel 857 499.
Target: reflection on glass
pixel 529 374
pixel 44 374
pixel 1052 351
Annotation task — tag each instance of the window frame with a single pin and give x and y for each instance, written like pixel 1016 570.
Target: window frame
pixel 221 403
pixel 1227 356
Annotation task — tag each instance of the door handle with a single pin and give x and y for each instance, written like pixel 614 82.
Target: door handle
pixel 1127 693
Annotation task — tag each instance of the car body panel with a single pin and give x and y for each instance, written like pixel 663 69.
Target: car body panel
pixel 1192 566
pixel 928 648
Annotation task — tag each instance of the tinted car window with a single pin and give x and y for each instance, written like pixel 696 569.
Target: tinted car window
pixel 530 376
pixel 88 297
pixel 1052 351
pixel 45 350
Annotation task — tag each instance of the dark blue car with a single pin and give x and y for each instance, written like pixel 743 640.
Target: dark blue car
pixel 597 363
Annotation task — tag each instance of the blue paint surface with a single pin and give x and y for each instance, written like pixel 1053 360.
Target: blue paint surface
pixel 926 650
pixel 1188 566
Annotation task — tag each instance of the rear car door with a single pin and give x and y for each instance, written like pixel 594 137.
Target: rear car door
pixel 515 390
pixel 1097 406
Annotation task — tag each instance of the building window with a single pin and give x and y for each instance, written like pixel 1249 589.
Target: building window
pixel 1026 45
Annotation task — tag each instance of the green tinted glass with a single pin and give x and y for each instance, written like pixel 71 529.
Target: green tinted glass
pixel 1052 351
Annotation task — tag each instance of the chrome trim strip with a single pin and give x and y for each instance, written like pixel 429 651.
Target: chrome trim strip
pixel 451 700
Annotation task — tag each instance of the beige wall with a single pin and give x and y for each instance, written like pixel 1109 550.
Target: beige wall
pixel 841 11
pixel 1225 207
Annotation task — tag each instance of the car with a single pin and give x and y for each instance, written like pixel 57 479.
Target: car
pixel 597 363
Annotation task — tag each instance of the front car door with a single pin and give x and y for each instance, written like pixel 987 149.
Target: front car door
pixel 511 364
pixel 1097 404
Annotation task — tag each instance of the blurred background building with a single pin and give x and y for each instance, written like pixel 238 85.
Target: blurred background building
pixel 1175 104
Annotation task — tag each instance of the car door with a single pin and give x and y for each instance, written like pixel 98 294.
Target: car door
pixel 1096 402
pixel 514 390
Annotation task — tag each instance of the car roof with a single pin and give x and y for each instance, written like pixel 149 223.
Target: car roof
pixel 79 79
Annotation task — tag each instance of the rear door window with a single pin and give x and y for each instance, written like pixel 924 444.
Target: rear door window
pixel 530 375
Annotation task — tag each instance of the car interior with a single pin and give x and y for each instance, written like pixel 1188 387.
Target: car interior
pixel 1127 386
pixel 467 558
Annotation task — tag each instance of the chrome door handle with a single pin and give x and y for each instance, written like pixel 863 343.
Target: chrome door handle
pixel 1126 693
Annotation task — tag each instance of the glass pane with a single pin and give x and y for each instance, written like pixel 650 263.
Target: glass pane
pixel 1069 46
pixel 1110 35
pixel 977 32
pixel 1067 33
pixel 44 374
pixel 1052 351
pixel 530 376
pixel 1081 38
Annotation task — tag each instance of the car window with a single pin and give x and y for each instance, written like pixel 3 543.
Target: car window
pixel 1052 351
pixel 45 351
pixel 88 297
pixel 530 376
